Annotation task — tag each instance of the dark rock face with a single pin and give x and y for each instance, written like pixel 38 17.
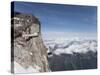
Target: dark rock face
pixel 27 45
pixel 75 61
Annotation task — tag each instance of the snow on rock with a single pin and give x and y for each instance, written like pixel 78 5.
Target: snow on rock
pixel 19 69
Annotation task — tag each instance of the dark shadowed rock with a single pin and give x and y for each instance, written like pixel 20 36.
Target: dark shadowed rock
pixel 75 61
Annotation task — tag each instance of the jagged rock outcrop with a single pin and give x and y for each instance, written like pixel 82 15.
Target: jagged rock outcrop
pixel 27 46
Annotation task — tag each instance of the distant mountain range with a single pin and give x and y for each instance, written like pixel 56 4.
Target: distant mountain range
pixel 71 54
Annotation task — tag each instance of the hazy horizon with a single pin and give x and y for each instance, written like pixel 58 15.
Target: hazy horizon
pixel 59 18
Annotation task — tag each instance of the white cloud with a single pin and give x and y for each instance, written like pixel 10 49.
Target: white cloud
pixel 79 45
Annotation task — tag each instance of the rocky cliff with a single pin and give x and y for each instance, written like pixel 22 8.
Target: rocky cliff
pixel 27 46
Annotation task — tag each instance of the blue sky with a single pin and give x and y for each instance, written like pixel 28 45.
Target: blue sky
pixel 62 18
